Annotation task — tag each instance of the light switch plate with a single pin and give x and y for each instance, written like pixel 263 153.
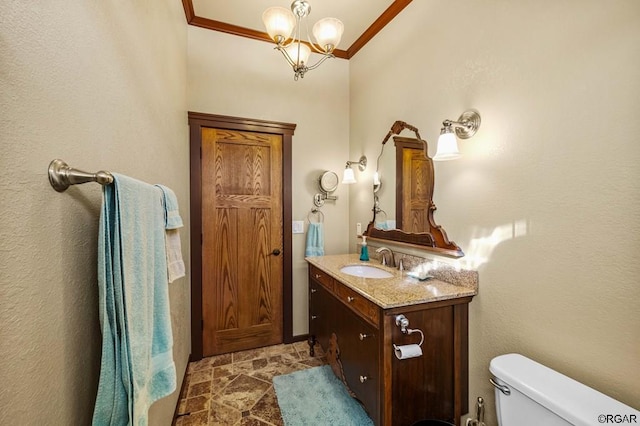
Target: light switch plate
pixel 298 227
pixel 358 228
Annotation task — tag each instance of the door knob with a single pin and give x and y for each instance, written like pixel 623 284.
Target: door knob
pixel 275 252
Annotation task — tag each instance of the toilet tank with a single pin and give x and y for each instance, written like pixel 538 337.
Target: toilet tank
pixel 542 396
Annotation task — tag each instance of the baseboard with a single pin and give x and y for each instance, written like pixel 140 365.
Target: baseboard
pixel 182 388
pixel 299 338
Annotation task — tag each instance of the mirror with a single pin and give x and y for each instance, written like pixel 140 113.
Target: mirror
pixel 403 196
pixel 327 182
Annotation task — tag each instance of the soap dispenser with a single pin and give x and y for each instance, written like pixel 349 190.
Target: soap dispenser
pixel 364 251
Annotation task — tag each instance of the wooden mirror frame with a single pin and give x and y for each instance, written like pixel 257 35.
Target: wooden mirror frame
pixel 435 240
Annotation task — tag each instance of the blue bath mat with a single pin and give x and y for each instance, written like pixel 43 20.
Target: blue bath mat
pixel 316 397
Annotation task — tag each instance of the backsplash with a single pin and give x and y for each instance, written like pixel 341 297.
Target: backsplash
pixel 440 269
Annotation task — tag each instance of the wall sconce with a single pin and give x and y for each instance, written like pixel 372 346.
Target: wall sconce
pixel 348 176
pixel 466 126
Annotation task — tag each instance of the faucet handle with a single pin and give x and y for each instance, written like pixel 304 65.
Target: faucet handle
pixel 383 260
pixel 401 264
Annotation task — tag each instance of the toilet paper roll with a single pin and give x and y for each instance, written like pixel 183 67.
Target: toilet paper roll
pixel 407 351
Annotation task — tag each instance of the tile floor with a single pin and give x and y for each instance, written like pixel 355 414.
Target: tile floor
pixel 236 389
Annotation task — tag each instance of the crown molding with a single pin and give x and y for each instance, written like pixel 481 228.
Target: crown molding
pixel 387 16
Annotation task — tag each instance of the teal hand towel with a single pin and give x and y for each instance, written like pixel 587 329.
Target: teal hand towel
pixel 172 217
pixel 173 221
pixel 137 365
pixel 315 240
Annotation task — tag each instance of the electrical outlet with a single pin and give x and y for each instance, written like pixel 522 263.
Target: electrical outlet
pixel 298 227
pixel 358 228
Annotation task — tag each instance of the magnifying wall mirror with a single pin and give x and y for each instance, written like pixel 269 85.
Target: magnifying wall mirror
pixel 328 182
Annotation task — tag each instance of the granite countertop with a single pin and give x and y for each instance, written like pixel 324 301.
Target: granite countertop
pixel 399 290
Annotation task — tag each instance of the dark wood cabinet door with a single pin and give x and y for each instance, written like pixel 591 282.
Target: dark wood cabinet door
pixel 320 318
pixel 359 344
pixel 423 387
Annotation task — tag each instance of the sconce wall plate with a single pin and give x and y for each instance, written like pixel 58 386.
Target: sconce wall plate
pixel 471 122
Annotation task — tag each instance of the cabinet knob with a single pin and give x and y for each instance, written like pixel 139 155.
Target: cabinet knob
pixel 317 276
pixel 314 317
pixel 313 290
pixel 364 336
pixel 350 299
pixel 363 379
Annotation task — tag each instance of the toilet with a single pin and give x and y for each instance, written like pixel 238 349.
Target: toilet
pixel 530 394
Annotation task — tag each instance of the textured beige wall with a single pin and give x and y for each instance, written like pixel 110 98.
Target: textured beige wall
pixel 545 200
pixel 235 76
pixel 101 85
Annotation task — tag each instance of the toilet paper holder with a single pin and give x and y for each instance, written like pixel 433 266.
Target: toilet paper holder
pixel 403 323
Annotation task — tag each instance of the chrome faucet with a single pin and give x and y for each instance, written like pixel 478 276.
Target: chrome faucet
pixel 383 258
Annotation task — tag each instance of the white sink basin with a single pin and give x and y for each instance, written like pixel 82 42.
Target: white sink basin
pixel 366 271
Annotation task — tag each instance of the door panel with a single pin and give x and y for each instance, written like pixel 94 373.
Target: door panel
pixel 241 226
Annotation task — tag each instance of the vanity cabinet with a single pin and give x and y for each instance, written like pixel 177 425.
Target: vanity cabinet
pixel 357 336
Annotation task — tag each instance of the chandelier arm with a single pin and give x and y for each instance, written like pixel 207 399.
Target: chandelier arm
pixel 286 55
pixel 317 48
pixel 325 56
pixel 297 61
pixel 285 45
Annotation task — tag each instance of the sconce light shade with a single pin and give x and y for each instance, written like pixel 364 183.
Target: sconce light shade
pixel 376 178
pixel 466 126
pixel 447 146
pixel 348 176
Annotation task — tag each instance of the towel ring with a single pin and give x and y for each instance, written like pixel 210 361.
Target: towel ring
pixel 379 210
pixel 317 212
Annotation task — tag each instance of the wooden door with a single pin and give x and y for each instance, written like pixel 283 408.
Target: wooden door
pixel 242 238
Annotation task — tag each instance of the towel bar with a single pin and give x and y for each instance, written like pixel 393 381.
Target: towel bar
pixel 61 176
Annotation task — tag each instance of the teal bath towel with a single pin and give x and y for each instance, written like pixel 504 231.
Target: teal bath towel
pixel 137 362
pixel 315 240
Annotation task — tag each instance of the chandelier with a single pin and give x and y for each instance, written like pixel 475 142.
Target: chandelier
pixel 281 23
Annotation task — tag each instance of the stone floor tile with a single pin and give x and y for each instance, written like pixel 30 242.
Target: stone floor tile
pixel 222 415
pixel 236 389
pixel 243 392
pixel 252 421
pixel 203 375
pixel 198 403
pixel 249 355
pixel 202 388
pixel 267 408
pixel 194 419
